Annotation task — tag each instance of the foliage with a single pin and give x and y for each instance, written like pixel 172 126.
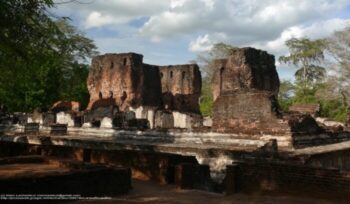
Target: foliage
pixel 39 56
pixel 206 100
pixel 333 109
pixel 306 54
pixel 285 95
pixel 205 60
pixel 339 83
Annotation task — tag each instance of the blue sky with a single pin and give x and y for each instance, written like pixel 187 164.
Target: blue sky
pixel 175 31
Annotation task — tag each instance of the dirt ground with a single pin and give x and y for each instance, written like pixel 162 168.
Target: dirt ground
pixel 145 192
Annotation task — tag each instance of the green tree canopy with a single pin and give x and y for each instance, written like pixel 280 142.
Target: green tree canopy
pixel 307 54
pixel 38 55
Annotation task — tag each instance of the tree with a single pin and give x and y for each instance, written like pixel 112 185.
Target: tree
pixel 338 47
pixel 38 53
pixel 307 54
pixel 205 60
pixel 285 94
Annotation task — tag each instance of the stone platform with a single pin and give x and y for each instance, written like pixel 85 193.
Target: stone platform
pixel 209 148
pixel 161 155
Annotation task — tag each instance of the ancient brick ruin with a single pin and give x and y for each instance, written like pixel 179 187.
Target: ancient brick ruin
pixel 181 87
pixel 245 86
pixel 245 69
pixel 125 79
pixel 122 83
pixel 146 118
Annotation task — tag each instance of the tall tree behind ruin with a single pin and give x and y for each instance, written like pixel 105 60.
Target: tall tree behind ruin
pixel 37 54
pixel 307 55
pixel 338 82
pixel 205 61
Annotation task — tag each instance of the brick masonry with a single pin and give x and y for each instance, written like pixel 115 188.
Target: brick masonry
pixel 131 83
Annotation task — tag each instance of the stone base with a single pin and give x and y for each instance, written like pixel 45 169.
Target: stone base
pixel 65 118
pixel 168 120
pixel 247 112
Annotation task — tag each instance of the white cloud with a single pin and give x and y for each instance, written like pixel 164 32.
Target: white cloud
pixel 320 29
pixel 176 3
pixel 96 19
pixel 253 19
pixel 191 26
pixel 201 44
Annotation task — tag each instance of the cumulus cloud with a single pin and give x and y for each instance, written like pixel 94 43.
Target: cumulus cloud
pixel 320 29
pixel 96 19
pixel 201 44
pixel 247 20
pixel 191 26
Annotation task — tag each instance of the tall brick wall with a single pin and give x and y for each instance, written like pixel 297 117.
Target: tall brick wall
pixel 181 87
pixel 117 76
pixel 245 88
pixel 245 68
pixel 131 83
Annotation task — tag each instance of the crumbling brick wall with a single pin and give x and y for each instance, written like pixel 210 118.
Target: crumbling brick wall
pixel 124 78
pixel 131 83
pixel 247 112
pixel 181 87
pixel 245 88
pixel 245 68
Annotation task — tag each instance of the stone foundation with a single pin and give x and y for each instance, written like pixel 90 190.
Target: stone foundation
pixel 247 112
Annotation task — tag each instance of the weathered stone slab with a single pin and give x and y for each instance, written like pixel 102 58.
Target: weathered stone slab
pixel 145 112
pixel 106 123
pixel 164 119
pixel 207 122
pixel 65 118
pixel 187 120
